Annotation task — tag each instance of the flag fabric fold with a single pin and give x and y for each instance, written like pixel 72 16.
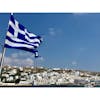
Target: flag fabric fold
pixel 19 37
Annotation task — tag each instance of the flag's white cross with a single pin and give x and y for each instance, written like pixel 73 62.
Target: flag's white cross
pixel 16 28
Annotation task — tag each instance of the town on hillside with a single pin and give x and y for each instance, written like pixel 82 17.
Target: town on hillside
pixel 40 76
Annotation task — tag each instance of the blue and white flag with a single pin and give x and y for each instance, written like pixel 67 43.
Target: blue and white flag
pixel 20 38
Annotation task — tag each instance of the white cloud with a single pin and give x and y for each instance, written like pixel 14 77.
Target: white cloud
pixel 52 31
pixel 29 61
pixel 8 61
pixel 15 60
pixel 23 53
pixel 74 63
pixel 41 59
pixel 79 14
pixel 14 55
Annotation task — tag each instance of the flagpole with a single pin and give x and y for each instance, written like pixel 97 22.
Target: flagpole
pixel 2 58
pixel 3 54
pixel 34 63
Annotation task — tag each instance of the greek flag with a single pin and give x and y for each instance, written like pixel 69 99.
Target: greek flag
pixel 19 37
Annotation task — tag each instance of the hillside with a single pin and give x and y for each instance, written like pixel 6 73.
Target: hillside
pixel 38 76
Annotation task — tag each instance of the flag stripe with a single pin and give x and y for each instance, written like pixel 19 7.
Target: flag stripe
pixel 16 40
pixel 14 44
pixel 12 19
pixel 22 48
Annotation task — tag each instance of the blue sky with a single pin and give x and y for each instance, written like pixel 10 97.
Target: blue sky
pixel 71 40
